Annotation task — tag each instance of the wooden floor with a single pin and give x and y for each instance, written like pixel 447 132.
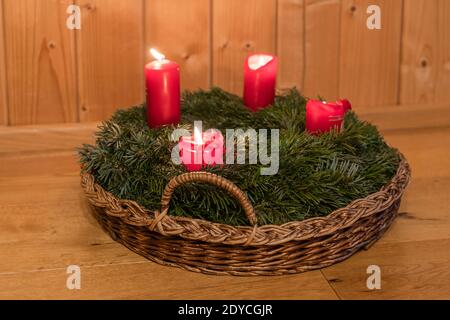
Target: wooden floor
pixel 45 226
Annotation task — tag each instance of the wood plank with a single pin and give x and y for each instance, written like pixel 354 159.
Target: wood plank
pixel 322 45
pixel 42 164
pixel 110 57
pixel 420 219
pixel 426 152
pixel 170 26
pixel 290 43
pixel 239 28
pixel 54 232
pixel 45 219
pixel 425 210
pixel 406 117
pixel 443 77
pixel 370 59
pixel 45 226
pixel 66 237
pixel 52 235
pixel 151 281
pixel 40 62
pixel 62 188
pixel 413 270
pixel 425 73
pixel 44 139
pixel 3 98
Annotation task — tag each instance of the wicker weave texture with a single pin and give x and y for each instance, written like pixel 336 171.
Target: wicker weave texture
pixel 212 248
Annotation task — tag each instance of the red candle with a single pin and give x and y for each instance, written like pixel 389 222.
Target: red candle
pixel 163 91
pixel 202 150
pixel 260 77
pixel 323 117
pixel 346 104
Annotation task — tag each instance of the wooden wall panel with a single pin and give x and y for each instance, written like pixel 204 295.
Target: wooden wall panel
pixel 40 63
pixel 110 56
pixel 370 59
pixel 49 74
pixel 425 72
pixel 181 30
pixel 240 27
pixel 290 45
pixel 3 100
pixel 322 33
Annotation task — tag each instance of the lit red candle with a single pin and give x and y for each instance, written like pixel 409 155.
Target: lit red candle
pixel 163 91
pixel 204 149
pixel 260 77
pixel 323 117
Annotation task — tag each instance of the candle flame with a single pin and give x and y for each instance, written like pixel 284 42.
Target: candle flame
pixel 157 55
pixel 197 136
pixel 258 61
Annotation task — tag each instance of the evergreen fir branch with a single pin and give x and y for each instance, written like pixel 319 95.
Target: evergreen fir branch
pixel 318 174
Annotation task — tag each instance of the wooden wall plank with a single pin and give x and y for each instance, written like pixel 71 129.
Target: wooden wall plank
pixel 40 62
pixel 240 27
pixel 181 30
pixel 370 59
pixel 324 48
pixel 110 57
pixel 290 45
pixel 425 72
pixel 3 98
pixel 443 77
pixel 322 40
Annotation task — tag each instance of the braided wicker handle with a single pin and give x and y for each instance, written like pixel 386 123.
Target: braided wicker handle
pixel 212 179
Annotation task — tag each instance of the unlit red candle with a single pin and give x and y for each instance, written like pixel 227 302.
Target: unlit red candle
pixel 260 77
pixel 163 91
pixel 323 117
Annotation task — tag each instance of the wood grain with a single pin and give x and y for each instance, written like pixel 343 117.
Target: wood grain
pixel 132 281
pixel 413 254
pixel 181 30
pixel 110 57
pixel 290 43
pixel 49 74
pixel 45 225
pixel 322 45
pixel 411 270
pixel 395 118
pixel 40 62
pixel 424 213
pixel 420 219
pixel 425 72
pixel 239 28
pixel 37 139
pixel 47 214
pixel 3 98
pixel 370 59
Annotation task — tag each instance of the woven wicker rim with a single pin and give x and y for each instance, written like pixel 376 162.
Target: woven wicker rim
pixel 159 221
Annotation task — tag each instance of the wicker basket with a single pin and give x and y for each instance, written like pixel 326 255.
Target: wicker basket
pixel 212 248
